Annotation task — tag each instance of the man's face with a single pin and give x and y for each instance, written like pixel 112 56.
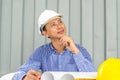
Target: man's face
pixel 55 28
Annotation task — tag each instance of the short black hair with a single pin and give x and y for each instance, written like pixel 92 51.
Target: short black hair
pixel 44 29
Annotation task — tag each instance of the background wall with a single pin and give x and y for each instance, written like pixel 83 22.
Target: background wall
pixel 94 24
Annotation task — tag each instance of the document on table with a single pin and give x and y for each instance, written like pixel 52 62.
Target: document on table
pixel 68 75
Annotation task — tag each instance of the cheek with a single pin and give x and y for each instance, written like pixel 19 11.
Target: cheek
pixel 52 32
pixel 65 29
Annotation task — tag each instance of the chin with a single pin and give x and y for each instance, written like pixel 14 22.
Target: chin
pixel 61 36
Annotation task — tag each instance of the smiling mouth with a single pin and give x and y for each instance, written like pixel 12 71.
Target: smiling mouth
pixel 61 32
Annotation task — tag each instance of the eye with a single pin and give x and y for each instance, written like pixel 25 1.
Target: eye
pixel 53 24
pixel 60 21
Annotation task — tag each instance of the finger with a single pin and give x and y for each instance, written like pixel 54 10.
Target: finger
pixel 38 74
pixel 62 39
pixel 35 73
pixel 65 40
pixel 63 43
pixel 32 77
pixel 67 43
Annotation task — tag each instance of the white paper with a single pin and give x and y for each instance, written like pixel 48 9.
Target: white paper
pixel 68 75
pixel 7 76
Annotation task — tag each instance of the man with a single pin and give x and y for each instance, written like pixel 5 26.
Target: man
pixel 61 54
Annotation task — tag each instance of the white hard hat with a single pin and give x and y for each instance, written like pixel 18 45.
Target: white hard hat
pixel 45 17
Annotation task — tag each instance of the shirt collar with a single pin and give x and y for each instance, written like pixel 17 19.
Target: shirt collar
pixel 51 48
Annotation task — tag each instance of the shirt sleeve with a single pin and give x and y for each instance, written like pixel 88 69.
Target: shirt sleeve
pixel 34 63
pixel 19 75
pixel 84 61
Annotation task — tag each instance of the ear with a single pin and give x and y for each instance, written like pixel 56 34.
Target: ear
pixel 44 33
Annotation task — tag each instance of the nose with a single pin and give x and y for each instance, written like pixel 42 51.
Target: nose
pixel 59 25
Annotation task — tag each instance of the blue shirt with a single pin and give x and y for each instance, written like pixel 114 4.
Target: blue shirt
pixel 46 58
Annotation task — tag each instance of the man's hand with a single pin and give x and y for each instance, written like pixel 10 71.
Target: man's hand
pixel 32 75
pixel 69 44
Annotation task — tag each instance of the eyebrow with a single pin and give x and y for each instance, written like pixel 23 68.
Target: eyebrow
pixel 57 20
